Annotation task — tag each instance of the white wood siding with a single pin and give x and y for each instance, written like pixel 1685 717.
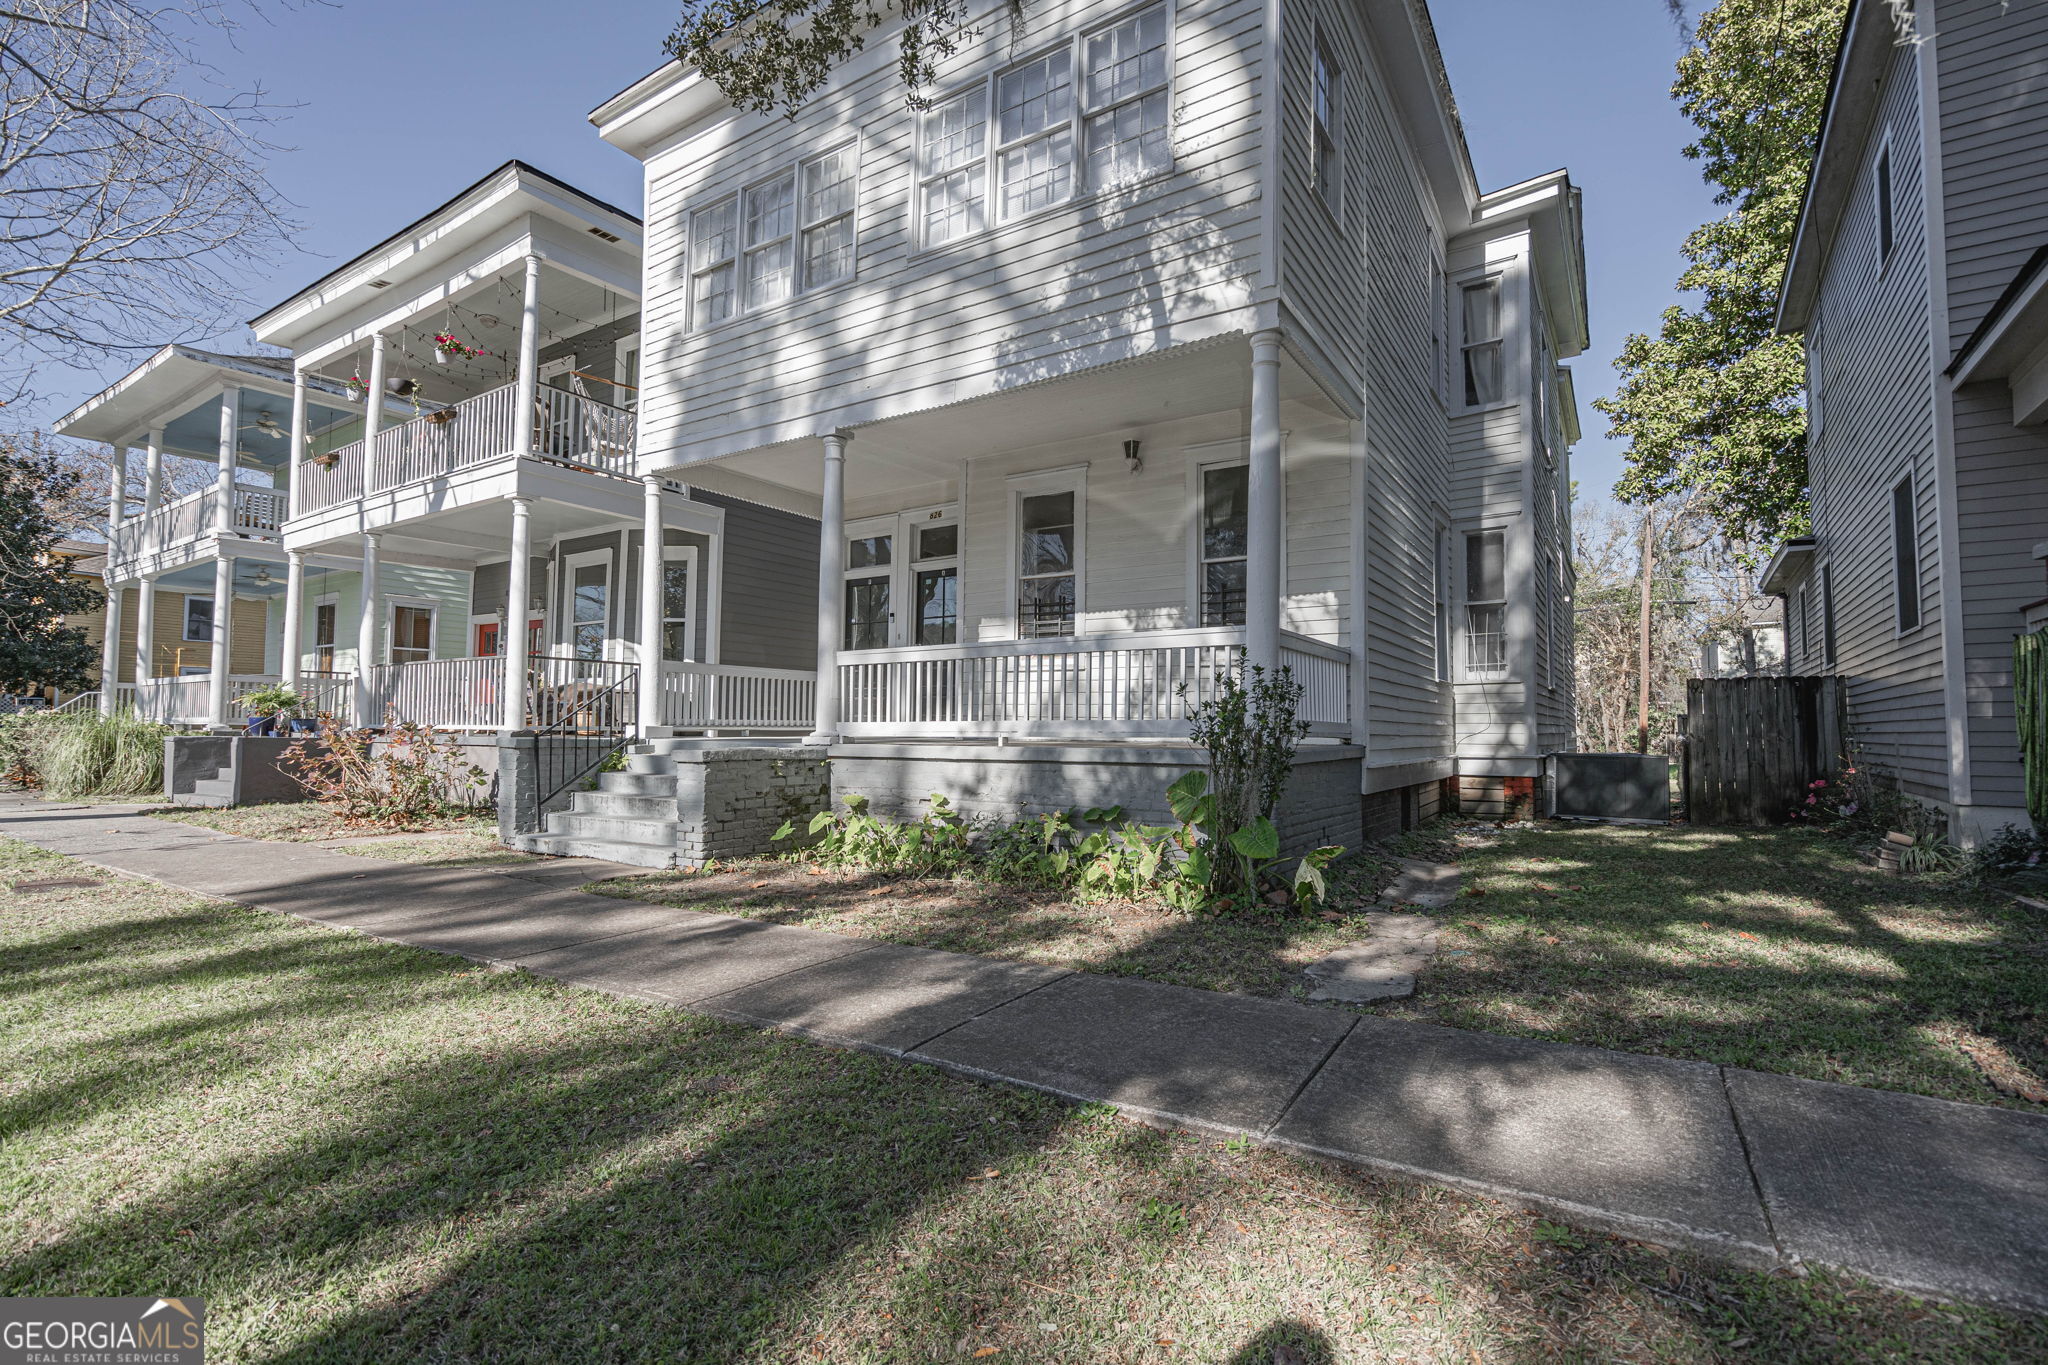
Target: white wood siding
pixel 1111 275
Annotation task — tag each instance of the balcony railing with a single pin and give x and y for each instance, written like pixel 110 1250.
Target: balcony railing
pixel 1139 685
pixel 464 694
pixel 734 697
pixel 567 428
pixel 257 512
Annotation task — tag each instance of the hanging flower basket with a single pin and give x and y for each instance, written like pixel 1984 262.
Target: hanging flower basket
pixel 326 461
pixel 448 346
pixel 402 388
pixel 355 388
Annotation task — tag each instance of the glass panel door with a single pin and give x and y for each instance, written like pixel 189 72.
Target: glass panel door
pixel 867 604
pixel 589 609
pixel 675 609
pixel 1225 502
pixel 323 636
pixel 937 577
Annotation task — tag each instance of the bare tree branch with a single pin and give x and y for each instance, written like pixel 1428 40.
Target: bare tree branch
pixel 133 196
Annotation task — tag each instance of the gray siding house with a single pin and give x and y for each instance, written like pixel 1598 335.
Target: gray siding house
pixel 1165 330
pixel 1917 281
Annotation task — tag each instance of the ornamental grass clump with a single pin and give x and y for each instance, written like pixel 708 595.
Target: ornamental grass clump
pixel 83 753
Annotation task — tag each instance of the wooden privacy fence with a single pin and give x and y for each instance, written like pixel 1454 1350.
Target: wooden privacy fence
pixel 1753 746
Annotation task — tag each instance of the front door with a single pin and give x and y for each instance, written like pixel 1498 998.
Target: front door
pixel 323 637
pixel 590 587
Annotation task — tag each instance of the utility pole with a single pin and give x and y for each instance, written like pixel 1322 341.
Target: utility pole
pixel 1643 647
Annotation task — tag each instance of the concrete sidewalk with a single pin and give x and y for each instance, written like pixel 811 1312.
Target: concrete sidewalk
pixel 1925 1195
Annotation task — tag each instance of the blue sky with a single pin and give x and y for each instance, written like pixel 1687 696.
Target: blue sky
pixel 399 103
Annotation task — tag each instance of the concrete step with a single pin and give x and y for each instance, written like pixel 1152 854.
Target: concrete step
pixel 676 744
pixel 638 784
pixel 632 805
pixel 611 850
pixel 619 829
pixel 637 762
pixel 222 788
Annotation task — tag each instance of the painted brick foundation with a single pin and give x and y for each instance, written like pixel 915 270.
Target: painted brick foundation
pixel 730 802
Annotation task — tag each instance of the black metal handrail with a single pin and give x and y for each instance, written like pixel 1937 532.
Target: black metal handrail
pixel 583 721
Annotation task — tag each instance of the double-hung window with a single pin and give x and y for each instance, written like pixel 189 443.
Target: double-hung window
pixel 1905 555
pixel 1481 342
pixel 1486 594
pixel 1440 593
pixel 1048 522
pixel 1439 330
pixel 198 618
pixel 412 633
pixel 1827 615
pixel 1033 136
pixel 1226 493
pixel 776 239
pixel 1326 105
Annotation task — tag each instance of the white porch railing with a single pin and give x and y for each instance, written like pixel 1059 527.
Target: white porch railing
pixel 735 697
pixel 1099 686
pixel 257 512
pixel 188 700
pixel 566 427
pixel 443 694
pixel 329 694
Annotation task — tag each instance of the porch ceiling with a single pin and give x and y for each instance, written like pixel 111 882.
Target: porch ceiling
pixel 1115 402
pixel 481 531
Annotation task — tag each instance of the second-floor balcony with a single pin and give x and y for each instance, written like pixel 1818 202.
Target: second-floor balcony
pixel 568 429
pixel 255 512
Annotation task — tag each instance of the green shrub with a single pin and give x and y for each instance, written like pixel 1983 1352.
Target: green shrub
pixel 83 753
pixel 405 778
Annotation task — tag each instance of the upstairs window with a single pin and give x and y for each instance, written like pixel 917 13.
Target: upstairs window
pixel 1813 383
pixel 1883 189
pixel 1486 598
pixel 1032 136
pixel 1482 342
pixel 1905 555
pixel 1827 615
pixel 785 235
pixel 1325 151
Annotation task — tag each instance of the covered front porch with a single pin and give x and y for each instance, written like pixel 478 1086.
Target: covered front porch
pixel 1080 560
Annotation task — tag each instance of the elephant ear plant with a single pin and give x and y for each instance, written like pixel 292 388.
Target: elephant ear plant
pixel 1250 728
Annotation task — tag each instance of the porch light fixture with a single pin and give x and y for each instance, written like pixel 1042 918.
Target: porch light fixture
pixel 1132 458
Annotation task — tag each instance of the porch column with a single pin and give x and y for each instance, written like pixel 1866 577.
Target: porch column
pixel 514 631
pixel 373 411
pixel 294 591
pixel 529 361
pixel 145 632
pixel 1264 553
pixel 652 583
pixel 223 620
pixel 153 472
pixel 831 584
pixel 224 478
pixel 366 636
pixel 117 489
pixel 110 653
pixel 297 459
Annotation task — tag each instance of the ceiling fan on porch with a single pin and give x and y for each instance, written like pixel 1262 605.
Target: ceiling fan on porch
pixel 266 422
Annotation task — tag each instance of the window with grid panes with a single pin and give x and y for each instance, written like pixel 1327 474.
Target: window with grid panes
pixel 1486 593
pixel 788 234
pixel 1010 146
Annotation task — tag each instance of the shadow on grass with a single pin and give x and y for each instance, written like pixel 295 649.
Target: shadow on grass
pixel 1774 949
pixel 362 1152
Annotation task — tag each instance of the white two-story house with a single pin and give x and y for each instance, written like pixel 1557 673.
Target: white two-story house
pixel 1163 331
pixel 1919 282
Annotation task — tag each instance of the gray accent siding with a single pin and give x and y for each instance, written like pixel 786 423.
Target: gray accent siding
pixel 769 615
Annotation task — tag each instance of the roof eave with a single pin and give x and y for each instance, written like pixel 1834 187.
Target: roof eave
pixel 1851 109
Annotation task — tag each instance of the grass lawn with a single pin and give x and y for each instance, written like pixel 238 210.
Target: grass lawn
pixel 302 822
pixel 1261 955
pixel 356 1151
pixel 1771 949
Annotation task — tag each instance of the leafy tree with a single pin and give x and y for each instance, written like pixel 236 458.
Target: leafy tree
pixel 1712 405
pixel 775 54
pixel 37 590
